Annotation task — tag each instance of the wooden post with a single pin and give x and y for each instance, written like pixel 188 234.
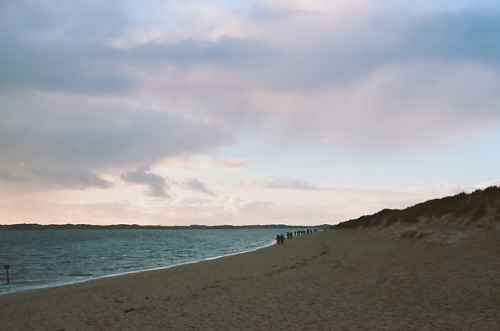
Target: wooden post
pixel 7 272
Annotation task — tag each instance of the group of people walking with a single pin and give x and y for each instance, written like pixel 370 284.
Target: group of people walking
pixel 280 238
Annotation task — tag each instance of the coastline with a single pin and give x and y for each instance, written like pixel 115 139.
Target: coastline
pixel 44 259
pixel 74 282
pixel 353 279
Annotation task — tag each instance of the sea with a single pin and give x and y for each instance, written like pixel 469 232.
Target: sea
pixel 47 258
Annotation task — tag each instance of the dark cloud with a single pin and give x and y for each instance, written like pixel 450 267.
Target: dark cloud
pixel 342 56
pixel 72 178
pixel 61 46
pixel 103 137
pixel 85 70
pixel 196 186
pixel 89 89
pixel 101 69
pixel 51 49
pixel 53 22
pixel 157 185
pixel 193 52
pixel 70 47
pixel 11 177
pixel 75 52
pixel 51 132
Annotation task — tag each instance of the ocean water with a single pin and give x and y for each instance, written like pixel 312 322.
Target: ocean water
pixel 46 258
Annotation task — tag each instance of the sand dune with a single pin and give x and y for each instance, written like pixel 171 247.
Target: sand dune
pixel 480 209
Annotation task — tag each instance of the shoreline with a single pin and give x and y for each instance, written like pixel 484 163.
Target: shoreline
pixel 69 283
pixel 338 279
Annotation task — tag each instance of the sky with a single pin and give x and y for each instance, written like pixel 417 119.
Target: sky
pixel 243 112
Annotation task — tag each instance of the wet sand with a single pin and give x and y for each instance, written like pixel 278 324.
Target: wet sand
pixel 333 280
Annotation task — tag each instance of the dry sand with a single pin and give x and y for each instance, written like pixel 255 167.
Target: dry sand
pixel 333 280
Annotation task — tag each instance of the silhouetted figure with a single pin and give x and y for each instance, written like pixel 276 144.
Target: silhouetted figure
pixel 282 239
pixel 278 239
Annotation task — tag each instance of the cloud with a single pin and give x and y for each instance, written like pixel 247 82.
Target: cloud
pixel 50 46
pixel 205 162
pixel 409 70
pixel 10 177
pixel 414 105
pixel 90 90
pixel 278 45
pixel 72 178
pixel 73 135
pixel 158 186
pixel 283 183
pixel 196 186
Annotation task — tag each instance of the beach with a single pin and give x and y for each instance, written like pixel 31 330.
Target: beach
pixel 386 278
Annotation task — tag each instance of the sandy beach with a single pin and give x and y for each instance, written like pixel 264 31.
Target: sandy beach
pixel 332 280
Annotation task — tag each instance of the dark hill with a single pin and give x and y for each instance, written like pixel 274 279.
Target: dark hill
pixel 478 209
